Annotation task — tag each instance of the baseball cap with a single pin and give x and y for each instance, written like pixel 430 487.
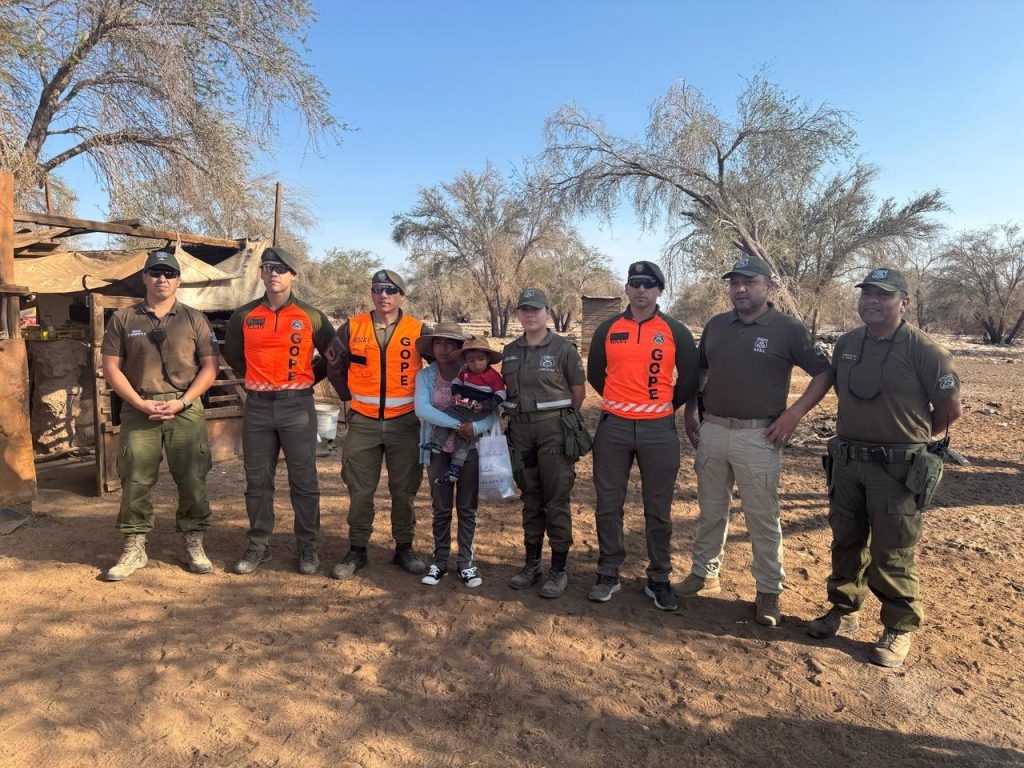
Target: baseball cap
pixel 388 277
pixel 887 279
pixel 532 297
pixel 749 266
pixel 162 259
pixel 646 269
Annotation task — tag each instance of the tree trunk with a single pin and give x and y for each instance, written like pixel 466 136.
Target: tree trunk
pixel 1009 338
pixel 495 316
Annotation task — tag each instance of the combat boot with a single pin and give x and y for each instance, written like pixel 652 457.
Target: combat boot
pixel 766 609
pixel 353 560
pixel 891 649
pixel 196 558
pixel 555 584
pixel 255 556
pixel 407 559
pixel 309 560
pixel 695 586
pixel 532 572
pixel 834 623
pixel 133 557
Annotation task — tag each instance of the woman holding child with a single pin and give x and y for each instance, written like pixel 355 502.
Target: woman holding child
pixel 448 431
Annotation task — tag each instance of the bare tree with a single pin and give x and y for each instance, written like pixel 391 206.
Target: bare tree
pixel 758 184
pixel 434 294
pixel 986 269
pixel 567 272
pixel 481 229
pixel 180 92
pixel 339 282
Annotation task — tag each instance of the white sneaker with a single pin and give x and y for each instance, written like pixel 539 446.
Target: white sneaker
pixel 471 577
pixel 434 574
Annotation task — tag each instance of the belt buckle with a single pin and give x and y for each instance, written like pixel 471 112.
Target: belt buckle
pixel 879 454
pixel 735 423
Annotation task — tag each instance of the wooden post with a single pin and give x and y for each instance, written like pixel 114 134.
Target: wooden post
pixel 6 229
pixel 17 468
pixel 277 211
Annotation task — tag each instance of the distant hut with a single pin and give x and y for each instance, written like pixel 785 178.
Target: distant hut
pixel 597 309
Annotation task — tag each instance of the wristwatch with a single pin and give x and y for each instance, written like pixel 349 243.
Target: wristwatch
pixel 187 403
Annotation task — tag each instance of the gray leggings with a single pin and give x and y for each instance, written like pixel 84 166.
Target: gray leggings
pixel 462 495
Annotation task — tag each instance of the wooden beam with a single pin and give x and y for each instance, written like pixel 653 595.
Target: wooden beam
pixel 6 228
pixel 24 239
pixel 81 226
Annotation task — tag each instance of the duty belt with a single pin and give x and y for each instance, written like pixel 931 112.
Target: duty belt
pixel 280 394
pixel 879 454
pixel 737 423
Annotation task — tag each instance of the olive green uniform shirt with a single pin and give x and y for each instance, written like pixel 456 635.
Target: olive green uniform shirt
pixel 539 378
pixel 187 340
pixel 885 386
pixel 750 365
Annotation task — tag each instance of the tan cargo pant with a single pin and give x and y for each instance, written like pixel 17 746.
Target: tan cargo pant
pixel 741 456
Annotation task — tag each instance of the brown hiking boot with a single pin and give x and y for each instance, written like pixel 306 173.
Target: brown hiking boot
pixel 767 612
pixel 834 623
pixel 891 649
pixel 695 586
pixel 133 557
pixel 196 558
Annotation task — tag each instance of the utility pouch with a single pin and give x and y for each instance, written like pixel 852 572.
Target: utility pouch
pixel 574 431
pixel 923 477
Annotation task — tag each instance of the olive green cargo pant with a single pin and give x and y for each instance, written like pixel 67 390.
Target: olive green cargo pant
pixel 370 442
pixel 654 445
pixel 545 477
pixel 143 443
pixel 875 526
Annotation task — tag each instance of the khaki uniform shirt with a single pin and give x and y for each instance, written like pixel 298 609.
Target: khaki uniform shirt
pixel 539 378
pixel 188 339
pixel 908 372
pixel 750 365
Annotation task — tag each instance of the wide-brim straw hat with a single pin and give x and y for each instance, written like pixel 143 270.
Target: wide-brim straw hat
pixel 480 345
pixel 425 342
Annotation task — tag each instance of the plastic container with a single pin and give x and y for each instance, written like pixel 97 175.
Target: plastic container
pixel 327 421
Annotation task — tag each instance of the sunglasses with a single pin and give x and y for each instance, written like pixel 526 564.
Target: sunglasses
pixel 169 274
pixel 380 288
pixel 647 283
pixel 277 269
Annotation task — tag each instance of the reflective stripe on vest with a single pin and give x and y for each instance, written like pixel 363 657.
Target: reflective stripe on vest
pixel 262 386
pixel 383 382
pixel 553 404
pixel 635 408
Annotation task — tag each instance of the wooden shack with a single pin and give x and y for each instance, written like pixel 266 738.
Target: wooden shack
pixel 596 309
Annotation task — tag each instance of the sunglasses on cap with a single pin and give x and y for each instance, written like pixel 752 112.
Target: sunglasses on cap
pixel 169 274
pixel 276 267
pixel 647 283
pixel 378 288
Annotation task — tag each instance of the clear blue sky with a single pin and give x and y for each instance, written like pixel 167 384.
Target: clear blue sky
pixel 434 88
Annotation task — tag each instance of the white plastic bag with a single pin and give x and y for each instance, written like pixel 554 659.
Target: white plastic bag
pixel 496 482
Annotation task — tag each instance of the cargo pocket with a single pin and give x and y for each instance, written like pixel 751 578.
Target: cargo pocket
pixel 904 528
pixel 517 465
pixel 205 459
pixel 123 463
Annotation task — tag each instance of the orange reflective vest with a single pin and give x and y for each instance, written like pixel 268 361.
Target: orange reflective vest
pixel 641 362
pixel 382 381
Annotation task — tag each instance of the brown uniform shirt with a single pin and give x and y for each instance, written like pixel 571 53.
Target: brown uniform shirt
pixel 750 365
pixel 188 339
pixel 908 372
pixel 539 378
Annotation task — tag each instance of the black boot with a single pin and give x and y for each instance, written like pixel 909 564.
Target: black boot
pixel 532 571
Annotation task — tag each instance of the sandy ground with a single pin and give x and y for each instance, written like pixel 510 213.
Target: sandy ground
pixel 274 669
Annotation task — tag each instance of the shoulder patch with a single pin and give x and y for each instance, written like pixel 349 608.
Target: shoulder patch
pixel 947 382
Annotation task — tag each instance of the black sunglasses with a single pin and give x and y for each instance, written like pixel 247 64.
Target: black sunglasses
pixel 170 274
pixel 379 288
pixel 647 283
pixel 277 269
